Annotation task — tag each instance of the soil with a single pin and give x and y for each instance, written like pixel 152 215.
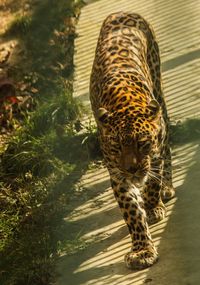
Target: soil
pixel 15 95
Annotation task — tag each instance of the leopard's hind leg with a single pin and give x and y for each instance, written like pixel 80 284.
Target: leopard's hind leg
pixel 167 190
pixel 153 59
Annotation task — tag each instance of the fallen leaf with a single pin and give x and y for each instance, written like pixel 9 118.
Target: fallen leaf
pixel 34 90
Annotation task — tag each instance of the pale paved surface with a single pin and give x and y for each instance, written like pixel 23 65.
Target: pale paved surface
pixel 96 217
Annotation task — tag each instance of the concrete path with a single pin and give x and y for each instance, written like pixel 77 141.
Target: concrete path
pixel 95 218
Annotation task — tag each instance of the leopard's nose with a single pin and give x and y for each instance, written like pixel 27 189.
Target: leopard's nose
pixel 132 169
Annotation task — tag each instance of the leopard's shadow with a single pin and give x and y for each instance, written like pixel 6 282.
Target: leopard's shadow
pixel 179 242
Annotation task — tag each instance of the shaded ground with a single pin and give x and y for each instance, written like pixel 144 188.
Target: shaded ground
pixel 95 218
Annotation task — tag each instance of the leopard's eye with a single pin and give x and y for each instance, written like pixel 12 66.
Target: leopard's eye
pixel 145 146
pixel 112 139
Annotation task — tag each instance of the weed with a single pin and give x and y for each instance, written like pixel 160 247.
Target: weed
pixel 60 110
pixel 21 25
pixel 183 131
pixel 71 246
pixel 90 140
pixel 42 160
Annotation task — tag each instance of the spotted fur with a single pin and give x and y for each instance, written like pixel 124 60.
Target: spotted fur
pixel 129 108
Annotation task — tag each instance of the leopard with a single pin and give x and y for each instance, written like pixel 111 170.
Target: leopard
pixel 129 108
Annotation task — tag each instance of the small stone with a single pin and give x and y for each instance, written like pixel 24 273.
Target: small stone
pixel 34 90
pixel 12 44
pixel 27 7
pixel 4 55
pixel 148 280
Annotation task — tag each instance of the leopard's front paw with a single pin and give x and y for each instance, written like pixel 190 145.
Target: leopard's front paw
pixel 156 214
pixel 141 259
pixel 167 193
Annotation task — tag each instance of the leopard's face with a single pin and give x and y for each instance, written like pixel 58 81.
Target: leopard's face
pixel 130 142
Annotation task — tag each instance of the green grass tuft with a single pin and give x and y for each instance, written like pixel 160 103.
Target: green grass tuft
pixel 45 157
pixel 21 25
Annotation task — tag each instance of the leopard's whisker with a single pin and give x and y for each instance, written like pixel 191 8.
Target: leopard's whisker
pixel 164 170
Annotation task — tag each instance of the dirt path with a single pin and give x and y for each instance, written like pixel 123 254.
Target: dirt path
pixel 96 217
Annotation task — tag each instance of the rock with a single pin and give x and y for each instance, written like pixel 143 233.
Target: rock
pixel 27 7
pixel 4 56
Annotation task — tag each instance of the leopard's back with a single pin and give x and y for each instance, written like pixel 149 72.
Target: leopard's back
pixel 126 59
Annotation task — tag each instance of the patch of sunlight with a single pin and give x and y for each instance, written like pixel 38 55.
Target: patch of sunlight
pixel 93 177
pixel 101 203
pixel 182 160
pixel 181 87
pixel 113 253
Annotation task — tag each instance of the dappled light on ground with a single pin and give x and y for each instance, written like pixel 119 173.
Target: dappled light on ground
pixel 97 217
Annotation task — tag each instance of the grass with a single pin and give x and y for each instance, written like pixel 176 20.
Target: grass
pixel 42 161
pixel 20 25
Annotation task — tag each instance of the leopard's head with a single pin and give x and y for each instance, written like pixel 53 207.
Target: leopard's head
pixel 131 137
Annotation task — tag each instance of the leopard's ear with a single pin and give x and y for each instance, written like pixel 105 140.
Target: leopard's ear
pixel 153 109
pixel 102 116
